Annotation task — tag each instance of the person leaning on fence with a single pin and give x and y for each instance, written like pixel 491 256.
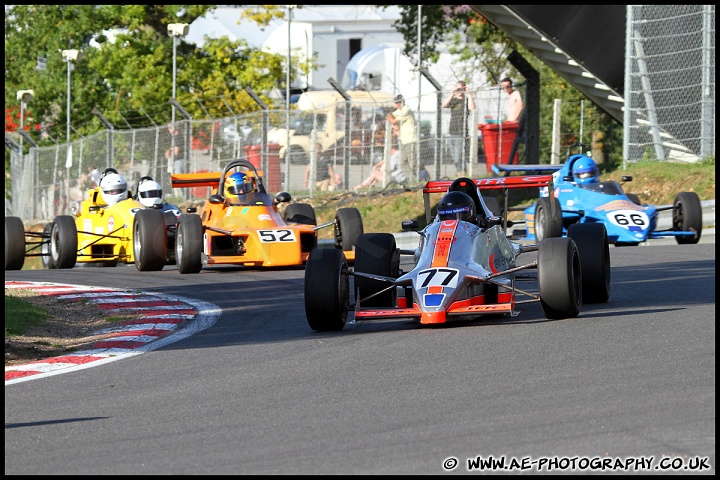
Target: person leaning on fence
pixel 515 103
pixel 461 103
pixel 404 117
pixel 326 180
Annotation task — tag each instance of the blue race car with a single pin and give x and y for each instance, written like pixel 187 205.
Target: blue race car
pixel 581 197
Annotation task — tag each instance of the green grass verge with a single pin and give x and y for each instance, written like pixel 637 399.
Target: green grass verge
pixel 20 315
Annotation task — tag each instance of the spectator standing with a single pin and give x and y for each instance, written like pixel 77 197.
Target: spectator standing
pixel 176 152
pixel 404 117
pixel 515 103
pixel 326 180
pixel 461 103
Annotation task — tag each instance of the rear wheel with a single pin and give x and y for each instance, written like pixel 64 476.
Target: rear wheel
pixel 327 289
pixel 300 213
pixel 687 216
pixel 594 249
pixel 149 240
pixel 348 226
pixel 14 243
pixel 547 225
pixel 377 254
pixel 47 259
pixel 188 244
pixel 64 242
pixel 559 278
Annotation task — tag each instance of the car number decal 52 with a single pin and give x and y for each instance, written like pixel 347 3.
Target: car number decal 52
pixel 630 219
pixel 282 235
pixel 438 277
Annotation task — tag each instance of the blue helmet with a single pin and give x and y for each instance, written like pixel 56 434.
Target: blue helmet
pixel 237 184
pixel 585 171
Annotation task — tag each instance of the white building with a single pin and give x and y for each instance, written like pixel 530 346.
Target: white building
pixel 334 32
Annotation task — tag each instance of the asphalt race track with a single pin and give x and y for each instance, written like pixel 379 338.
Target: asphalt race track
pixel 627 387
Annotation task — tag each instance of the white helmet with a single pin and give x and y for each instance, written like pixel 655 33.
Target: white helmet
pixel 150 194
pixel 113 188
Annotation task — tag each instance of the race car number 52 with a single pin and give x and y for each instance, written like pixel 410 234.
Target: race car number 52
pixel 276 235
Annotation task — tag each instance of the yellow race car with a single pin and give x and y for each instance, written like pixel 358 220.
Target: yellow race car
pixel 109 227
pixel 241 224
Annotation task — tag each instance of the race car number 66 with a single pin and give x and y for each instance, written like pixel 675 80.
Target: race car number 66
pixel 276 235
pixel 629 218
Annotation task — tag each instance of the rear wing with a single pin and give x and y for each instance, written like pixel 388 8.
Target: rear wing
pixel 500 183
pixel 201 179
pixel 506 170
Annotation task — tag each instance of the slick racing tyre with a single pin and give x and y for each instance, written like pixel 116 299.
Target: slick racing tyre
pixel 559 278
pixel 64 242
pixel 377 254
pixel 14 243
pixel 348 226
pixel 547 225
pixel 327 289
pixel 594 249
pixel 149 240
pixel 188 243
pixel 687 216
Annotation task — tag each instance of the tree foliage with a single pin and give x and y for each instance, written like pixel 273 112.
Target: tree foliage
pixel 126 69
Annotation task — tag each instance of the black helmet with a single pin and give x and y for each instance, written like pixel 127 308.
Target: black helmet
pixel 456 206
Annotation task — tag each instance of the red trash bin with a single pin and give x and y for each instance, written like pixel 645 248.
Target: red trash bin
pixel 495 151
pixel 272 178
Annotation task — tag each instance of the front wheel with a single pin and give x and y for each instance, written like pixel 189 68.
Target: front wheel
pixel 14 243
pixel 64 242
pixel 687 216
pixel 594 250
pixel 559 278
pixel 188 243
pixel 348 226
pixel 327 289
pixel 149 240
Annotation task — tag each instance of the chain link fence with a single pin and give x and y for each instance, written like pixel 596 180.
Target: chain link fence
pixel 51 180
pixel 670 83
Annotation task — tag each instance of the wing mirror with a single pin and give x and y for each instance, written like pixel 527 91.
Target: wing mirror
pixel 283 197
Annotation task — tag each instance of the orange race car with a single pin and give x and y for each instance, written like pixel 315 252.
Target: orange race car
pixel 240 223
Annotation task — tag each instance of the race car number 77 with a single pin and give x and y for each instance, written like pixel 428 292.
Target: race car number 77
pixel 276 235
pixel 438 277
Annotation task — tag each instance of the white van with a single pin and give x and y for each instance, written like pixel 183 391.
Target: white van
pixel 324 111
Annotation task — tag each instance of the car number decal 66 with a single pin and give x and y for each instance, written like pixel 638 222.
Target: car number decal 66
pixel 276 235
pixel 438 277
pixel 629 219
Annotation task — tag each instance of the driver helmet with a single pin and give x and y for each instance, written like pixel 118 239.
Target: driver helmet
pixel 150 194
pixel 113 188
pixel 237 184
pixel 585 171
pixel 456 206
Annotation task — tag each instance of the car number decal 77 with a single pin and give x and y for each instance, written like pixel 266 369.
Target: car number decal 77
pixel 440 277
pixel 276 235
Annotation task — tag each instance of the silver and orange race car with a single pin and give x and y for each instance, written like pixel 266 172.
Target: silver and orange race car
pixel 465 266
